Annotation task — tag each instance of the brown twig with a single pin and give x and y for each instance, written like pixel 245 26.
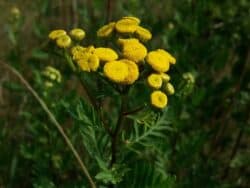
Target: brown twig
pixel 54 121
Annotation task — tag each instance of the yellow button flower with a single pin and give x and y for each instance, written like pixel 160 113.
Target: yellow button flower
pixel 106 54
pixel 88 62
pixel 157 61
pixel 77 34
pixel 133 50
pixel 122 42
pixel 93 62
pixel 155 81
pixel 159 99
pixel 63 41
pixel 77 48
pixel 106 30
pixel 169 88
pixel 55 34
pixel 116 71
pixel 126 25
pixel 165 77
pixel 135 19
pixel 84 65
pixel 143 34
pixel 133 71
pixel 171 59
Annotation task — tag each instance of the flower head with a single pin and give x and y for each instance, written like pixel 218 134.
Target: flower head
pixel 106 30
pixel 169 88
pixel 105 54
pixel 77 34
pixel 135 19
pixel 155 81
pixel 88 62
pixel 63 41
pixel 158 61
pixel 143 34
pixel 133 71
pixel 165 77
pixel 116 71
pixel 55 34
pixel 84 65
pixel 52 74
pixel 93 62
pixel 159 99
pixel 167 55
pixel 133 50
pixel 126 25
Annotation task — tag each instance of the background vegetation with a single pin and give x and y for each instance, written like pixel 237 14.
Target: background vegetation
pixel 208 141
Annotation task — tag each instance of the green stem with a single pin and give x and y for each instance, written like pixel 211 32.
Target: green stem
pixel 69 61
pixel 116 132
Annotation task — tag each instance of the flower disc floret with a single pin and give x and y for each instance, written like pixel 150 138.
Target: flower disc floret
pixel 116 71
pixel 53 35
pixel 158 61
pixel 143 34
pixel 155 81
pixel 93 62
pixel 77 34
pixel 63 41
pixel 126 25
pixel 159 99
pixel 133 71
pixel 105 54
pixel 106 30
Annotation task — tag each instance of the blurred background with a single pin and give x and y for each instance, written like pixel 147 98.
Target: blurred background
pixel 210 40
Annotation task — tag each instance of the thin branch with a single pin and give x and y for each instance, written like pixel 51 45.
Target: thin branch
pixel 53 120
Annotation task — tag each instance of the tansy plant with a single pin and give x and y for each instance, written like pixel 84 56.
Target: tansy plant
pixel 124 70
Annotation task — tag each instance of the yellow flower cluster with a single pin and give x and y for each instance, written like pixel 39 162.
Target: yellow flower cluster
pixel 126 25
pixel 122 64
pixel 63 40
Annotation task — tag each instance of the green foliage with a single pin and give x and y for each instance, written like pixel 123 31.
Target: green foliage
pixel 200 140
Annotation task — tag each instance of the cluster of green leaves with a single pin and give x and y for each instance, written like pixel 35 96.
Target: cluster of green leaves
pixel 199 140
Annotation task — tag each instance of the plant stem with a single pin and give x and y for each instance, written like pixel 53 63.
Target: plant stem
pixel 116 132
pixel 54 121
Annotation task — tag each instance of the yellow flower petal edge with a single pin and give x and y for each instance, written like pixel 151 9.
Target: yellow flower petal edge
pixel 126 25
pixel 158 99
pixel 143 34
pixel 116 71
pixel 171 59
pixel 105 54
pixel 135 19
pixel 106 30
pixel 157 61
pixel 83 64
pixel 77 34
pixel 133 50
pixel 63 41
pixel 165 77
pixel 133 71
pixel 155 81
pixel 93 62
pixel 53 35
